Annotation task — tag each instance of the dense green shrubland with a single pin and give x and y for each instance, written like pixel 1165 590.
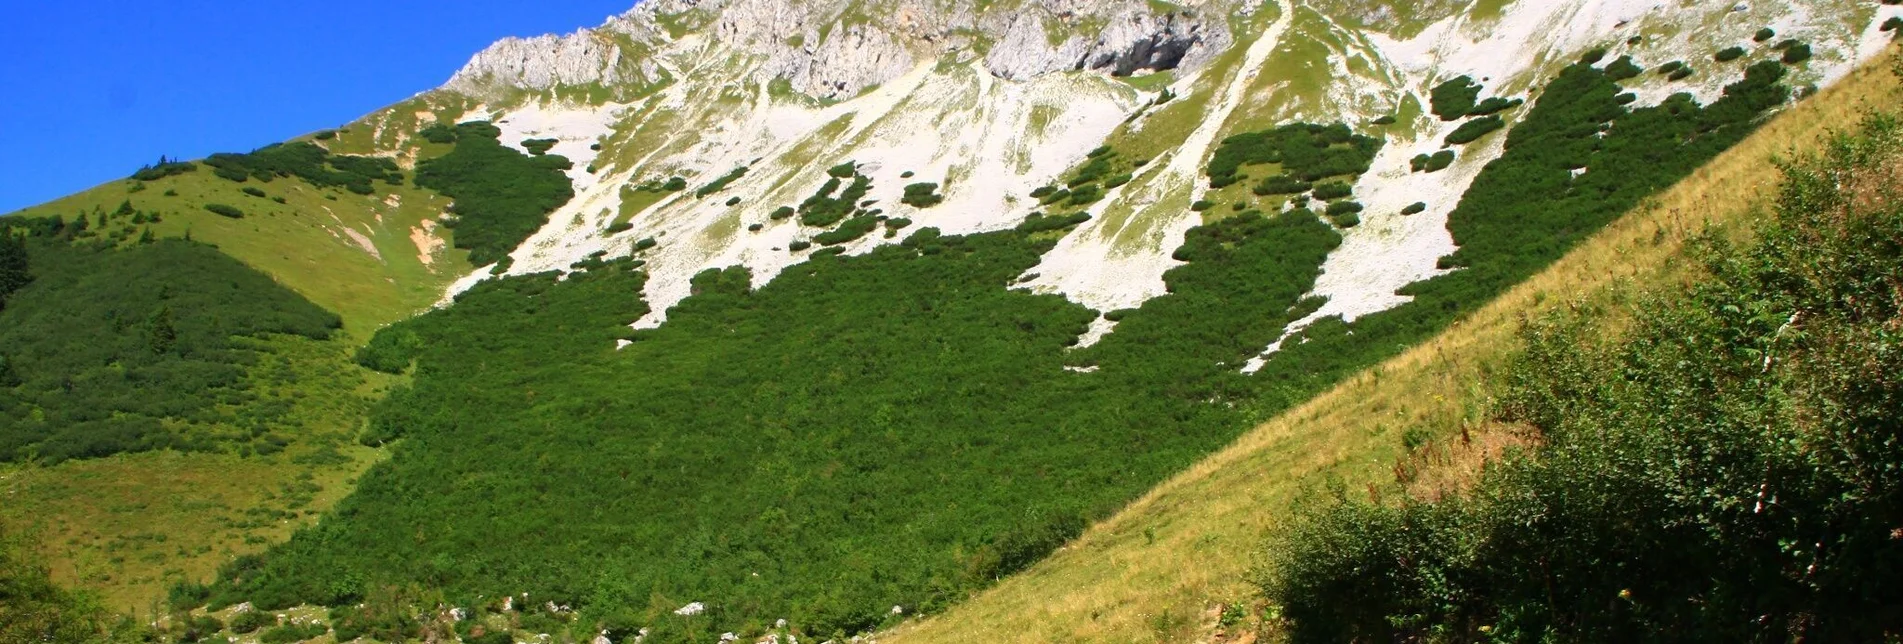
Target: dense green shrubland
pixel 502 196
pixel 834 449
pixel 1473 129
pixel 897 428
pixel 114 350
pixel 1713 463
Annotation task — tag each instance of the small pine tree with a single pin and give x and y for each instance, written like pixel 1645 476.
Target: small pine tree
pixel 15 271
pixel 160 334
pixel 8 377
pixel 146 237
pixel 125 208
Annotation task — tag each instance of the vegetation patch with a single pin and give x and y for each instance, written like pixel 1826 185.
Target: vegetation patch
pixel 307 161
pixel 922 195
pixel 1472 130
pixel 502 196
pixel 1306 152
pixel 1452 100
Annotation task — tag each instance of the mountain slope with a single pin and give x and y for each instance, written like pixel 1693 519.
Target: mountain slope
pixel 1101 238
pixel 1165 566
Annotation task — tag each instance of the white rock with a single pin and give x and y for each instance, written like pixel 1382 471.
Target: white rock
pixel 692 609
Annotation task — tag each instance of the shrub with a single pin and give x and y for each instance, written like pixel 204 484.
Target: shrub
pixel 1345 219
pixel 922 195
pixel 619 227
pixel 199 628
pixel 1281 184
pixel 1419 162
pixel 1895 23
pixel 1043 192
pixel 252 620
pixel 733 201
pixel 253 191
pixel 1728 54
pixel 644 244
pixel 1494 105
pixel 1343 207
pixel 223 210
pixel 1472 130
pixel 754 228
pixel 1415 208
pixel 1764 34
pixel 1681 73
pixel 164 168
pixel 1387 119
pixel 1796 54
pixel 798 245
pixel 782 212
pixel 1038 222
pixel 1452 100
pixel 1202 205
pixel 674 184
pixel 325 135
pixel 1100 151
pixel 1439 161
pixel 1117 180
pixel 720 183
pixel 852 229
pixel 843 171
pixel 1332 190
pixel 1670 68
pixel 906 174
pixel 1307 152
pixel 1623 69
pixel 1085 195
pixel 1593 57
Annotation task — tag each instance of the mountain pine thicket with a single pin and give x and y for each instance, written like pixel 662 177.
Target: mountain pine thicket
pixel 1712 463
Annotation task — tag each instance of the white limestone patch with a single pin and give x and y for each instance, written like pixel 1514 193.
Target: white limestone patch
pixel 575 128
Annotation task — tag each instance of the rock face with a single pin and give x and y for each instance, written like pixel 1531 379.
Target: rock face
pixel 836 49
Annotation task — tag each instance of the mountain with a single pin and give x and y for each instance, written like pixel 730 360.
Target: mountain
pixel 773 318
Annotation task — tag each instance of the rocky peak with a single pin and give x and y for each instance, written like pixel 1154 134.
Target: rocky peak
pixel 837 48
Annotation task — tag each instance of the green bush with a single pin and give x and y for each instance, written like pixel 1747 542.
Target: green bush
pixel 1386 119
pixel 438 133
pixel 1281 184
pixel 619 227
pixel 852 229
pixel 1344 207
pixel 1895 23
pixel 1474 129
pixel 922 195
pixel 251 620
pixel 1728 54
pixel 1439 161
pixel 223 210
pixel 798 245
pixel 1452 100
pixel 1202 205
pixel 720 183
pixel 1345 219
pixel 1764 34
pixel 644 244
pixel 325 135
pixel 254 191
pixel 539 147
pixel 843 171
pixel 1796 54
pixel 733 201
pixel 1681 73
pixel 754 228
pixel 1038 222
pixel 1494 105
pixel 1332 190
pixel 1623 69
pixel 1415 208
pixel 782 212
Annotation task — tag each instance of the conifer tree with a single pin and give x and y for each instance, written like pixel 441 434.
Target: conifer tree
pixel 15 271
pixel 160 334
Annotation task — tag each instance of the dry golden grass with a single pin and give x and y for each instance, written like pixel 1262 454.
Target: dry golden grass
pixel 1153 572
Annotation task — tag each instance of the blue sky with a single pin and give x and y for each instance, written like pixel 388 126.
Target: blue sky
pixel 90 90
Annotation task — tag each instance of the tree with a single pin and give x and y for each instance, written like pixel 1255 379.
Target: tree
pixel 160 334
pixel 14 268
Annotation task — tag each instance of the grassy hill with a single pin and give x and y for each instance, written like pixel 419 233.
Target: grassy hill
pixel 373 259
pixel 1172 564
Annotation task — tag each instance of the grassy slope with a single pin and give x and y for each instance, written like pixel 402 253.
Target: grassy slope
pixel 129 526
pixel 1156 571
pixel 301 242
